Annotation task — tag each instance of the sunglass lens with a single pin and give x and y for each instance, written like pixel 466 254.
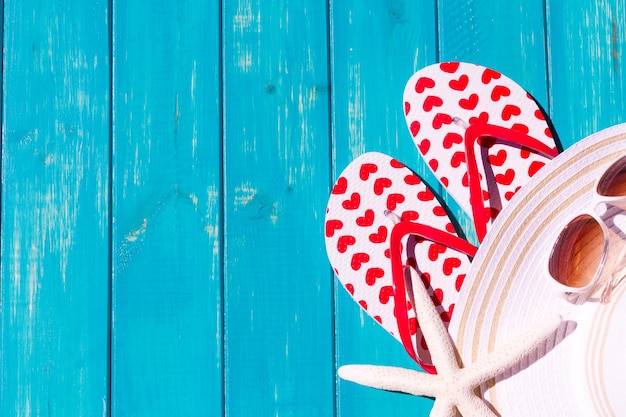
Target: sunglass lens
pixel 577 254
pixel 613 182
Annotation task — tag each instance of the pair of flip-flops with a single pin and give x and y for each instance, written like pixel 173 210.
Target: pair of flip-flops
pixel 484 137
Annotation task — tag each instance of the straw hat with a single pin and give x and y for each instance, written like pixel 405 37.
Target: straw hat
pixel 582 370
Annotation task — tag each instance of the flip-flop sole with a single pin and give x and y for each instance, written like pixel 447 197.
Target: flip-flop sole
pixel 373 193
pixel 437 94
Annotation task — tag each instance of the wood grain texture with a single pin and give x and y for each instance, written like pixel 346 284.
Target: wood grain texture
pixel 278 298
pixel 55 196
pixel 376 47
pixel 167 328
pixel 196 281
pixel 587 72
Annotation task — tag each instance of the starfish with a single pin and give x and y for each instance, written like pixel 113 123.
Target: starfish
pixel 454 386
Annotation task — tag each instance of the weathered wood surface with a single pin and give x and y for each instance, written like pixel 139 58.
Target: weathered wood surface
pixel 165 170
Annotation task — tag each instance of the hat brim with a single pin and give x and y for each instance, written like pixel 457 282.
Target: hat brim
pixel 582 370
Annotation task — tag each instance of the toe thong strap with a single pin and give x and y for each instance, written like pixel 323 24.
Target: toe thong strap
pixel 512 137
pixel 397 269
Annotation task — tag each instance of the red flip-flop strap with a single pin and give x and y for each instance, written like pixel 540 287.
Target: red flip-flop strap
pixel 397 271
pixel 513 137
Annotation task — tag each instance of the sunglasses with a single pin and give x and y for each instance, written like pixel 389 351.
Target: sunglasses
pixel 589 256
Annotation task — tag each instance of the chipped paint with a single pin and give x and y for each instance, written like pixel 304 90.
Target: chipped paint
pixel 243 195
pixel 132 236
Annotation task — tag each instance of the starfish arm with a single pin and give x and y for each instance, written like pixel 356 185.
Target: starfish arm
pixel 443 407
pixel 507 356
pixel 391 378
pixel 469 405
pixel 440 345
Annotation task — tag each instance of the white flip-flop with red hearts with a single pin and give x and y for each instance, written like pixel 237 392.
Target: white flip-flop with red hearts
pixel 380 217
pixel 481 134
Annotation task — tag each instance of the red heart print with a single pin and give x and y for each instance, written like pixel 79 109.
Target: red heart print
pixel 449 264
pixel 350 288
pixel 367 219
pixel 509 111
pixel 425 195
pixel 520 127
pixel 385 293
pixel 509 194
pixel 412 179
pixel 446 315
pixel 489 75
pixel 500 91
pixel 439 211
pixel 539 115
pixel 396 164
pixel 343 242
pixel 469 103
pixel 358 259
pixel 409 215
pixel 331 226
pixel 445 181
pixel 380 236
pixel 413 327
pixel 380 184
pixel 393 200
pixel 353 203
pixel 415 128
pixel 424 146
pixel 423 83
pixel 341 186
pixel 524 152
pixel 433 164
pixel 363 304
pixel 486 195
pixel 432 101
pixel 366 170
pixel 460 84
pixel 498 159
pixel 457 159
pixel 548 133
pixel 407 107
pixel 459 282
pixel 434 250
pixel 449 67
pixel 534 167
pixel 506 178
pixel 451 138
pixel 482 117
pixel 372 274
pixel 437 296
pixel 450 228
pixel 440 119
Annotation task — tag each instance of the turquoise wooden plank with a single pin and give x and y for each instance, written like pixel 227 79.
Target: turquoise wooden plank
pixel 166 335
pixel 278 296
pixel 376 47
pixel 507 36
pixel 587 72
pixel 55 209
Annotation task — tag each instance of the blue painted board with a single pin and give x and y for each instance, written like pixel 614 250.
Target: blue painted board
pixel 586 72
pixel 375 48
pixel 508 36
pixel 166 248
pixel 55 209
pixel 277 285
pixel 162 213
